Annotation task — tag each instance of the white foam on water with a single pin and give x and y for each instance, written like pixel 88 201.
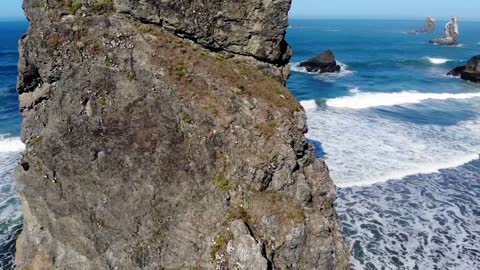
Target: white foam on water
pixel 8 145
pixel 437 60
pixel 363 147
pixel 309 104
pixel 10 208
pixel 424 222
pixel 364 100
pixel 355 90
pixel 327 77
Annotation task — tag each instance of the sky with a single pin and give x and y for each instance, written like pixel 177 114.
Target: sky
pixel 384 9
pixel 11 9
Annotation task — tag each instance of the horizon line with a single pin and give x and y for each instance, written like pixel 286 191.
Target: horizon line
pixel 379 17
pixel 315 17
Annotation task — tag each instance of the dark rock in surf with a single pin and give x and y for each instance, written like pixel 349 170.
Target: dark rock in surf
pixel 469 72
pixel 322 63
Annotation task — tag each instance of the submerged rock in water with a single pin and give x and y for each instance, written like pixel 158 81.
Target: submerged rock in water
pixel 450 36
pixel 469 72
pixel 428 27
pixel 152 125
pixel 322 63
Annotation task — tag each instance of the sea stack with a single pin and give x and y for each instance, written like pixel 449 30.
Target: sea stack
pixel 428 27
pixel 450 36
pixel 322 63
pixel 469 72
pixel 159 135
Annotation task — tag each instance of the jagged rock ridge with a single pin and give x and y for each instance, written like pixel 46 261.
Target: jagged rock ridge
pixel 148 148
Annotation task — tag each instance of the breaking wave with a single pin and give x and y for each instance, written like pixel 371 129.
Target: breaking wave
pixel 364 100
pixel 437 61
pixel 9 145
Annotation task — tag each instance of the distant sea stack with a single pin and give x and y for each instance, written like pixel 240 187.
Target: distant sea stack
pixel 323 63
pixel 450 37
pixel 159 135
pixel 469 72
pixel 428 27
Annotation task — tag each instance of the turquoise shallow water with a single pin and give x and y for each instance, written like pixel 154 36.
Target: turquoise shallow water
pixel 401 139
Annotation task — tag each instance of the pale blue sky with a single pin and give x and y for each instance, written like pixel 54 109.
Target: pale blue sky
pixel 466 9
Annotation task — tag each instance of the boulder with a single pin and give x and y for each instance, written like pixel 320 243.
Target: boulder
pixel 469 72
pixel 322 63
pixel 450 37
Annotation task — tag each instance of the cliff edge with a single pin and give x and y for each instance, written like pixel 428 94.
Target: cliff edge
pixel 160 136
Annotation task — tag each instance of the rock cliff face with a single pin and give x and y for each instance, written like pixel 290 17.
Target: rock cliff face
pixel 160 136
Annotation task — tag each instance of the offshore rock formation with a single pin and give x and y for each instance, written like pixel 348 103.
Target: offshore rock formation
pixel 322 63
pixel 160 136
pixel 469 72
pixel 450 36
pixel 428 27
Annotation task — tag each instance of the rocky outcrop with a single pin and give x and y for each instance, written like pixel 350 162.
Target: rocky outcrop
pixel 469 72
pixel 428 27
pixel 156 143
pixel 322 63
pixel 450 37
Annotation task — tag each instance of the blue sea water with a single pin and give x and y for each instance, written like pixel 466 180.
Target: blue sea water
pixel 10 145
pixel 402 140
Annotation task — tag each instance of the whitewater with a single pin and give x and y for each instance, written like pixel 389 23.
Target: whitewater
pixel 401 139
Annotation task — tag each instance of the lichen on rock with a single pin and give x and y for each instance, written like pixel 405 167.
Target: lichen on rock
pixel 147 141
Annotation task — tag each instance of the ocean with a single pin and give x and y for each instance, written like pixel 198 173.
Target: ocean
pixel 10 145
pixel 401 139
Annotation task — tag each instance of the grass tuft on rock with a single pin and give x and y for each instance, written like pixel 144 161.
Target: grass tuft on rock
pixel 223 183
pixel 75 6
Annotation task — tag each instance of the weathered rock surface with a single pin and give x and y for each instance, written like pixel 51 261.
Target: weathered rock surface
pixel 450 36
pixel 250 27
pixel 428 27
pixel 322 63
pixel 469 72
pixel 149 150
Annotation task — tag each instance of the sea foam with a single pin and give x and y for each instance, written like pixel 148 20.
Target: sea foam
pixel 8 145
pixel 436 60
pixel 363 147
pixel 364 100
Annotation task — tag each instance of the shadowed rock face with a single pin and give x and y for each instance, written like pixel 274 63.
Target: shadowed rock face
pixel 450 37
pixel 147 150
pixel 469 72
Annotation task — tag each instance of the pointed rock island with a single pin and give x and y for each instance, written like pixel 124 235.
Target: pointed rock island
pixel 428 27
pixel 450 36
pixel 160 135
